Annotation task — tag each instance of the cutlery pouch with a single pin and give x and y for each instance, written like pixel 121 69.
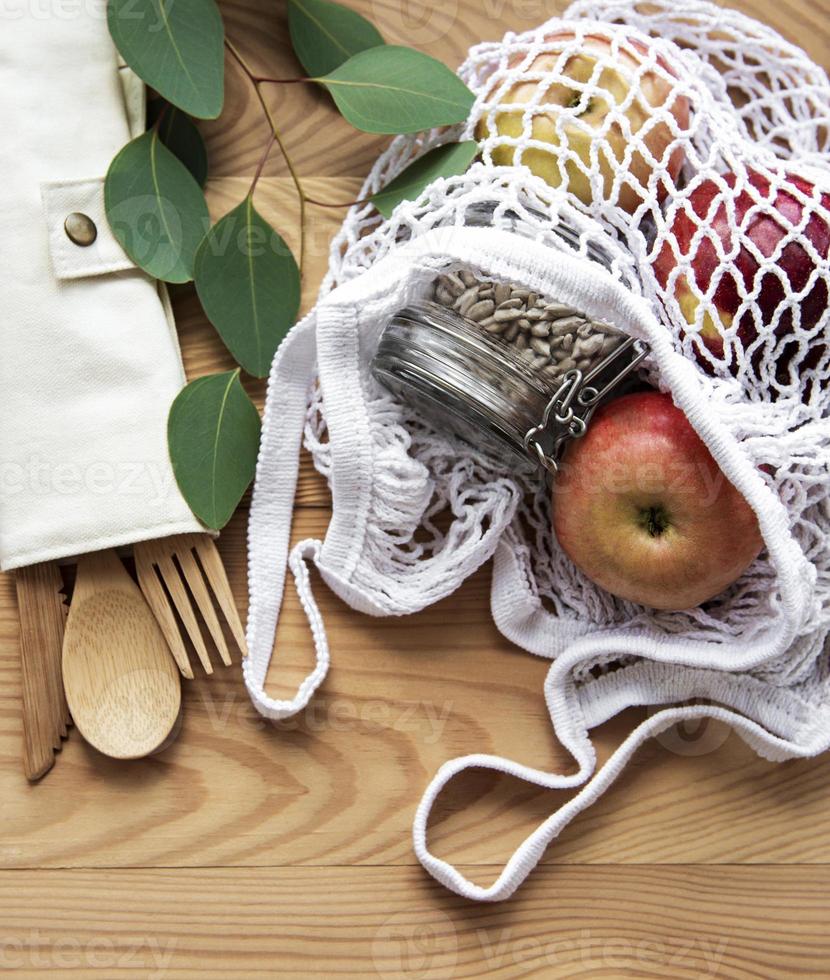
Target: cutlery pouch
pixel 756 655
pixel 90 359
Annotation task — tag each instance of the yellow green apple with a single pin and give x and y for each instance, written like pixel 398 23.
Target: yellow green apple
pixel 577 125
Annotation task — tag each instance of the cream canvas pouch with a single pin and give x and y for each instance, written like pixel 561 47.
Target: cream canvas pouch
pixel 90 359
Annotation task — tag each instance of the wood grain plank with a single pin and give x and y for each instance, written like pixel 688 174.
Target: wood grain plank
pixel 339 784
pixel 598 923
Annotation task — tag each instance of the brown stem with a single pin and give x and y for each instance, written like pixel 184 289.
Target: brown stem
pixel 264 80
pixel 240 60
pixel 276 137
pixel 261 164
pixel 337 204
pixel 160 118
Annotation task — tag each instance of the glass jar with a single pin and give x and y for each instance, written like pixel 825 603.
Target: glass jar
pixel 484 389
pixel 510 372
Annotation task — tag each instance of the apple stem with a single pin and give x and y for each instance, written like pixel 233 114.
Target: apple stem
pixel 576 101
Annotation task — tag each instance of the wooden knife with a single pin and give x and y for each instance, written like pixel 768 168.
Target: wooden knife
pixel 42 615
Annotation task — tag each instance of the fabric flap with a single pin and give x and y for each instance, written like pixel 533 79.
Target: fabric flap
pixel 71 261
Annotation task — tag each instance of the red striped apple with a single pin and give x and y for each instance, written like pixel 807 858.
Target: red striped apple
pixel 575 125
pixel 642 508
pixel 724 265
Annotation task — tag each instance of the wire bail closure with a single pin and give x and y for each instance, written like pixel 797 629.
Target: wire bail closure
pixel 569 411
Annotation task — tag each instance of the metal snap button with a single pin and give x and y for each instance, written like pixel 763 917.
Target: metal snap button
pixel 80 229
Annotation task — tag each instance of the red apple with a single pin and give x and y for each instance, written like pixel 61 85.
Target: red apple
pixel 642 508
pixel 760 230
pixel 582 132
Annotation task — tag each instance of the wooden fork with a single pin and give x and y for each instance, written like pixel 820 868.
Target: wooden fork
pixel 178 567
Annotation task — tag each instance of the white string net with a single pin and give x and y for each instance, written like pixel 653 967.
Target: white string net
pixel 691 142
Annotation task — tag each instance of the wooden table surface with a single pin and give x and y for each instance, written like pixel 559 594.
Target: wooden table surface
pixel 251 850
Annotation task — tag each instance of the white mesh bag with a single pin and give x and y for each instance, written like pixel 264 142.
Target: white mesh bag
pixel 707 204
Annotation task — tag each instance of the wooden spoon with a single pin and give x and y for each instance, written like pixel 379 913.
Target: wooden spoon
pixel 121 683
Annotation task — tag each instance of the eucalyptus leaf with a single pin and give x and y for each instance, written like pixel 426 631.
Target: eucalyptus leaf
pixel 155 208
pixel 249 286
pixel 391 89
pixel 213 436
pixel 177 47
pixel 325 34
pixel 181 136
pixel 441 161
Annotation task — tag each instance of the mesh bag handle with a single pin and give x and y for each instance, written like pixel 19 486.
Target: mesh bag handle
pixel 782 726
pixel 594 784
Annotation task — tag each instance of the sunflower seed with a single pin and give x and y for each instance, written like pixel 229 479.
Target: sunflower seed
pixel 553 311
pixel 550 337
pixel 569 322
pixel 453 283
pixel 466 300
pixel 483 308
pixel 591 345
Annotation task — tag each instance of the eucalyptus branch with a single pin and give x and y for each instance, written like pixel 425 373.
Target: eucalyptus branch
pixel 256 81
pixel 160 118
pixel 252 295
pixel 264 80
pixel 337 204
pixel 261 164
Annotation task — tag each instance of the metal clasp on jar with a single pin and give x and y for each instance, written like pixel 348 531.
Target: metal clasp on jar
pixel 569 411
